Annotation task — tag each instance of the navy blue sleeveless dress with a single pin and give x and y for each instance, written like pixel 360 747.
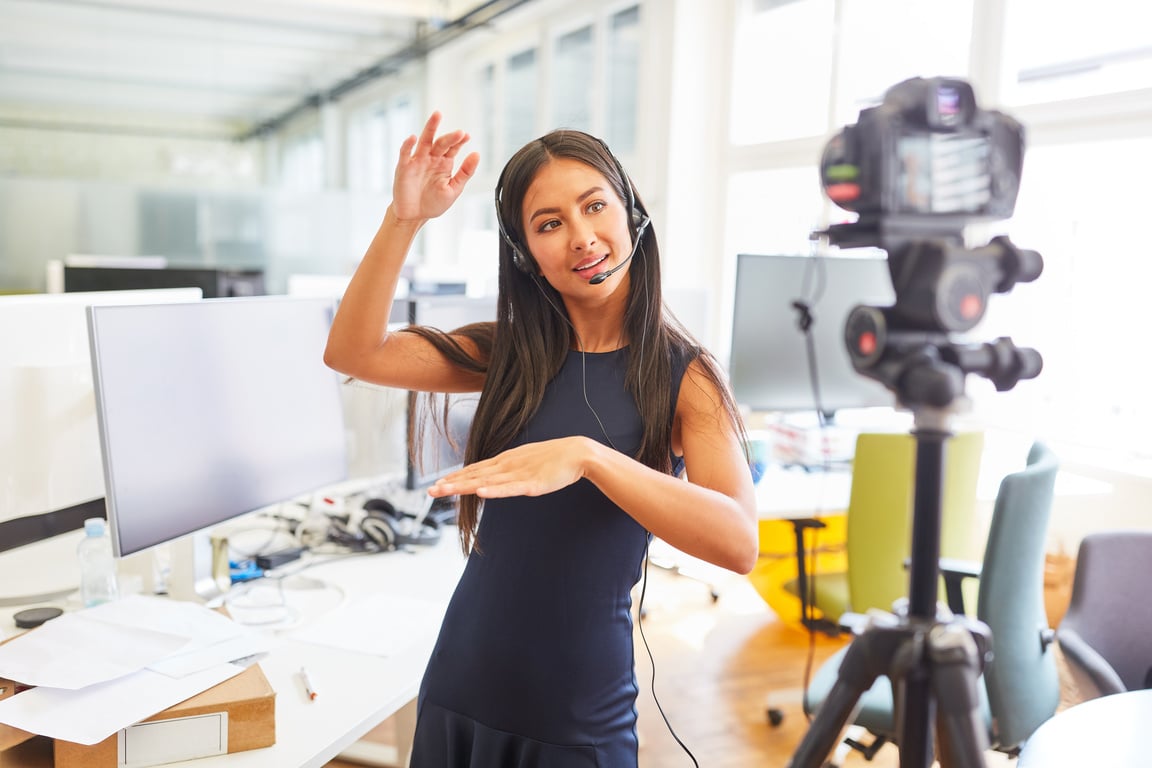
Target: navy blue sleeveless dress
pixel 533 665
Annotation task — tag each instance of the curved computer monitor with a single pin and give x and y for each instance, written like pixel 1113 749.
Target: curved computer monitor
pixel 51 474
pixel 209 411
pixel 769 365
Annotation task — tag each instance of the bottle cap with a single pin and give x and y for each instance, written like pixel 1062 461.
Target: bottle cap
pixel 94 526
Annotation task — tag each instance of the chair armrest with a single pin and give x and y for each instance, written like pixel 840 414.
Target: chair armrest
pixel 954 572
pixel 852 622
pixel 1077 650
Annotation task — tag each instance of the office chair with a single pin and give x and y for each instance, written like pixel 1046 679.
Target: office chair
pixel 1020 687
pixel 1106 633
pixel 879 524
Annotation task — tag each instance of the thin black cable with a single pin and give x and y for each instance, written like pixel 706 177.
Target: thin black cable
pixel 652 659
pixel 811 295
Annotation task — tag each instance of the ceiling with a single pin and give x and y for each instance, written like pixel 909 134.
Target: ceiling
pixel 212 68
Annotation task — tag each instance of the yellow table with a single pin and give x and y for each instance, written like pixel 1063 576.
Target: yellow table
pixel 787 495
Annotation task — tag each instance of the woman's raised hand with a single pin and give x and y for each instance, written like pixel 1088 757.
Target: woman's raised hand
pixel 425 186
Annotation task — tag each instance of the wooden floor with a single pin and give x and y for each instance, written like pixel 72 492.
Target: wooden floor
pixel 719 665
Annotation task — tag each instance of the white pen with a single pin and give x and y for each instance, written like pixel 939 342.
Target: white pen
pixel 308 689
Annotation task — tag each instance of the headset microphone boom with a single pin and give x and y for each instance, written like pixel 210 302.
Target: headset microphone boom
pixel 600 277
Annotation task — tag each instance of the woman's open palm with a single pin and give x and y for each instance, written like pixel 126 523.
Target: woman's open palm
pixel 425 185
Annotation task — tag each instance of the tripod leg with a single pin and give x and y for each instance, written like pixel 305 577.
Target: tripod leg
pixel 865 660
pixel 956 665
pixel 914 711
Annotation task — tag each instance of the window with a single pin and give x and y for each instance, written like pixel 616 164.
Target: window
pixel 773 211
pixel 302 162
pixel 1086 49
pixel 374 138
pixel 623 75
pixel 775 41
pixel 1080 200
pixel 573 80
pixel 1086 315
pixel 520 101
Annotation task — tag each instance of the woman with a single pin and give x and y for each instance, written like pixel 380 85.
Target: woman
pixel 594 407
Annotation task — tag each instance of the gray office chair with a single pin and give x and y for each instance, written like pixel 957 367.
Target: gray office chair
pixel 1020 687
pixel 1107 630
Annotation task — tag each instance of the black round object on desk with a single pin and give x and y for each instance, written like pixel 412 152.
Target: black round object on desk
pixel 34 617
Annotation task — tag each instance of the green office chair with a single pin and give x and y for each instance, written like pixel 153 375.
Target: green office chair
pixel 879 522
pixel 1020 684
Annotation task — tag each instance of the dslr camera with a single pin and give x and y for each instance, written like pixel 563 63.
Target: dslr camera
pixel 918 168
pixel 927 160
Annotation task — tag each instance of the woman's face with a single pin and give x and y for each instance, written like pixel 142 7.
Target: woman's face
pixel 575 226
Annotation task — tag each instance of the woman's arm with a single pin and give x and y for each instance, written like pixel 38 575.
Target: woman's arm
pixel 712 516
pixel 359 344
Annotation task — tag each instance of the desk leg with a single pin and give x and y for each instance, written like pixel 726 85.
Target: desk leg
pixel 807 610
pixel 377 755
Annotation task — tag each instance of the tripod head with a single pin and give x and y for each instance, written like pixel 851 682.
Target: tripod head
pixel 918 168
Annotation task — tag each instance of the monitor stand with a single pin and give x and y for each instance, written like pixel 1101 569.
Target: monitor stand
pixel 193 568
pixel 199 570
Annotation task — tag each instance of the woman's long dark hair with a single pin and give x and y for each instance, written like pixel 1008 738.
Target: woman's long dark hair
pixel 526 346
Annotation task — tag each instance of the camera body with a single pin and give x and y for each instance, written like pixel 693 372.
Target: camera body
pixel 927 160
pixel 918 168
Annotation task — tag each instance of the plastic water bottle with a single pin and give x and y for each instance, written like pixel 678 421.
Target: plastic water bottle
pixel 98 583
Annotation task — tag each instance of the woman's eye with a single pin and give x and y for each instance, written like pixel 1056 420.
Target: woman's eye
pixel 548 225
pixel 596 206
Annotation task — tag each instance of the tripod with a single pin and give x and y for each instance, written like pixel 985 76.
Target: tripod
pixel 933 661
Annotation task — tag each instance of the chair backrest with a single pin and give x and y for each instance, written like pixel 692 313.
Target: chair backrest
pixel 879 522
pixel 1021 680
pixel 1110 609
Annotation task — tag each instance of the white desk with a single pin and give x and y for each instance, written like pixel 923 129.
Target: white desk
pixel 1110 730
pixel 355 691
pixel 784 494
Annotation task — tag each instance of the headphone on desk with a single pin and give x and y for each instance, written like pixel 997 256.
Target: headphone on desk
pixel 638 217
pixel 388 529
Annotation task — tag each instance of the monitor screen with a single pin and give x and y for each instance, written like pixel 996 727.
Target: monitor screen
pixel 432 453
pixel 769 364
pixel 51 475
pixel 212 410
pixel 435 452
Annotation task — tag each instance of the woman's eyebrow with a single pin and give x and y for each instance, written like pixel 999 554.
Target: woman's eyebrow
pixel 580 199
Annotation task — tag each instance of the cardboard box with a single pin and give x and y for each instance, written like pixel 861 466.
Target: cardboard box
pixel 9 736
pixel 237 715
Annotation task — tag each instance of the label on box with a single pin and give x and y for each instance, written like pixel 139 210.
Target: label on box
pixel 168 741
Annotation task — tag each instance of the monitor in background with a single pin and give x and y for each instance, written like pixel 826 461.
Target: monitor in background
pixel 51 475
pixel 213 281
pixel 432 453
pixel 210 411
pixel 769 365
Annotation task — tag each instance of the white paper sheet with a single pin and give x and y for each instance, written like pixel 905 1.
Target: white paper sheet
pixel 198 659
pixel 107 641
pixel 74 651
pixel 93 714
pixel 379 625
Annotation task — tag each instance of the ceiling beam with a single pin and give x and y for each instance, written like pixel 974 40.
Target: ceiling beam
pixel 426 41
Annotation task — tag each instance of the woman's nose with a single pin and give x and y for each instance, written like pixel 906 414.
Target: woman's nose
pixel 583 236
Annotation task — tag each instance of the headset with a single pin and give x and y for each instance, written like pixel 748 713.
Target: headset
pixel 390 529
pixel 636 214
